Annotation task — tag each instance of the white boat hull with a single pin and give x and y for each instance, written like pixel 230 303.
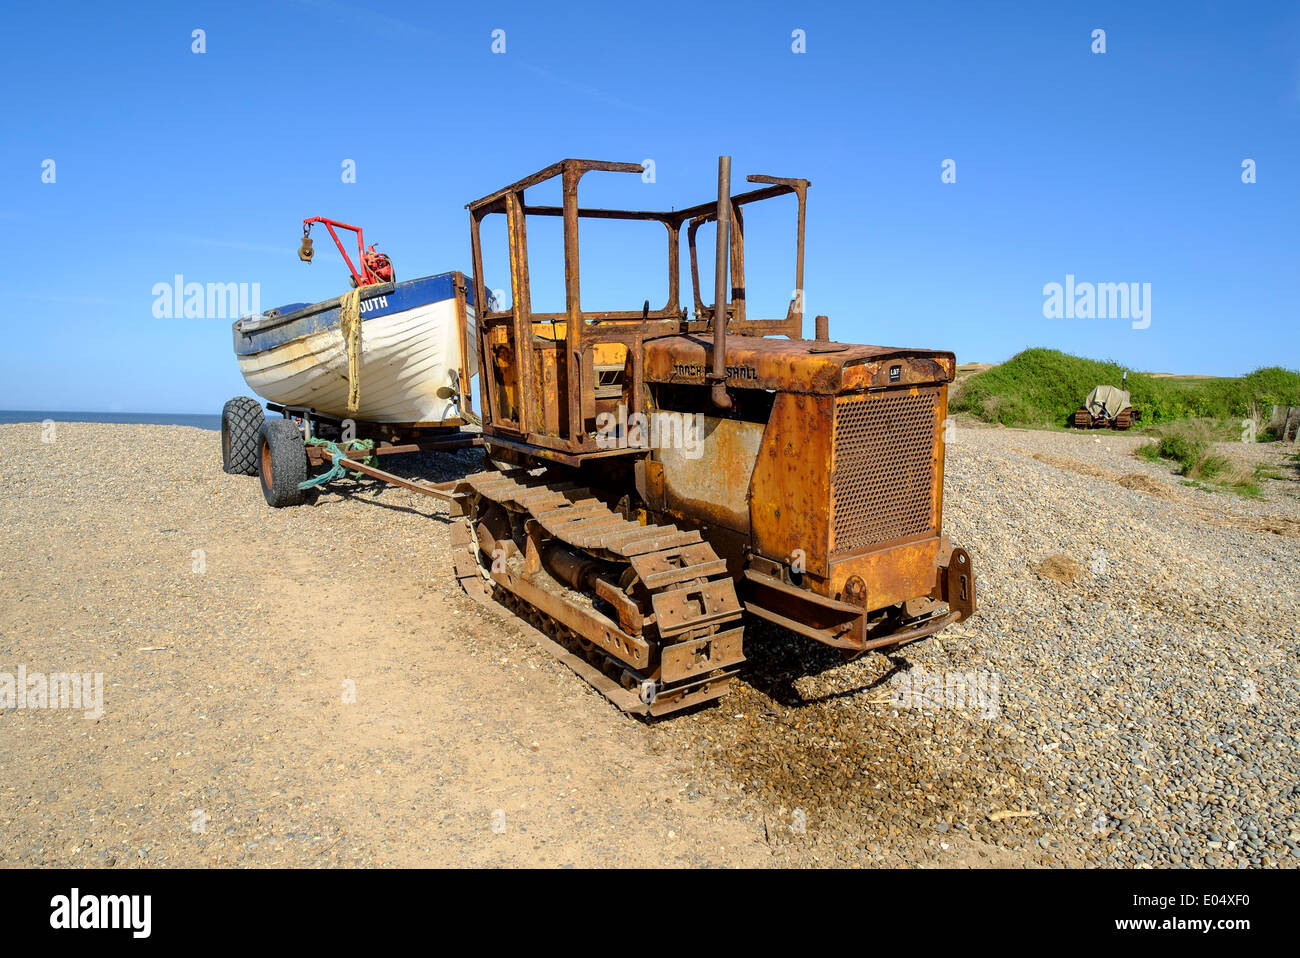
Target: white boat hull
pixel 410 368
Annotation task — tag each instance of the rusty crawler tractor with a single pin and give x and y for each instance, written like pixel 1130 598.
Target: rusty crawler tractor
pixel 801 482
pixel 1107 406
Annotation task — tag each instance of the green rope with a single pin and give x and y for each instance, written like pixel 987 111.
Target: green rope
pixel 337 452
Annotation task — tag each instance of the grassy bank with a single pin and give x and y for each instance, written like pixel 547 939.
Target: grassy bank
pixel 1188 445
pixel 1043 387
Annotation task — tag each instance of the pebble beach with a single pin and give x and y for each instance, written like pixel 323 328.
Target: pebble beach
pixel 309 687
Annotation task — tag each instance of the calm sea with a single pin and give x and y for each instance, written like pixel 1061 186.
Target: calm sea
pixel 129 418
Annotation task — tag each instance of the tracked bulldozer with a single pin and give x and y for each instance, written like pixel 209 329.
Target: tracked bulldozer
pixel 1107 407
pixel 657 474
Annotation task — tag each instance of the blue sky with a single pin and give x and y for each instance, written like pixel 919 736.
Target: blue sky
pixel 1115 167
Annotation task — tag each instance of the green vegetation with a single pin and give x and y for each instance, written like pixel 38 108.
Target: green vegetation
pixel 1187 444
pixel 1043 388
pixel 1185 415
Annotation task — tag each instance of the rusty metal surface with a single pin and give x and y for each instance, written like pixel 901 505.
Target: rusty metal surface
pixel 845 625
pixel 739 323
pixel 829 621
pixel 884 461
pixel 806 366
pixel 717 374
pixel 959 585
pixel 696 657
pixel 590 624
pixel 710 482
pixel 888 575
pixel 559 413
pixel 818 489
pixel 909 634
pixel 672 590
pixel 790 496
pixel 469 574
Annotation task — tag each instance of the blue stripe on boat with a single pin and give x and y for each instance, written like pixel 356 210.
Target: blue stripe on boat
pixel 298 320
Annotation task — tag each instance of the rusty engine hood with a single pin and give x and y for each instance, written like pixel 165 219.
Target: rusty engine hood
pixel 799 366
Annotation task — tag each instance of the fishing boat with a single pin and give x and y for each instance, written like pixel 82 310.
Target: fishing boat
pixel 415 355
pixel 416 351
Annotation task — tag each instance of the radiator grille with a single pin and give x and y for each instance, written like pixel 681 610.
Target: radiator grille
pixel 882 485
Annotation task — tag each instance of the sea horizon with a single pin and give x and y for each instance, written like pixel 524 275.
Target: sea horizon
pixel 198 420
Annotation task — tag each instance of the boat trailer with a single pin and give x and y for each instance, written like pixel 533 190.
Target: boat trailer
pixel 284 453
pixel 349 446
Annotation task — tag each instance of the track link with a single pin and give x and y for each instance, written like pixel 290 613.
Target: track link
pixel 647 614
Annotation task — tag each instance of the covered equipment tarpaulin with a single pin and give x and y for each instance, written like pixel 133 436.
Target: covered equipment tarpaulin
pixel 1107 402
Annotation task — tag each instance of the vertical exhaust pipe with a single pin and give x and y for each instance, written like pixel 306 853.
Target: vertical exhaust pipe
pixel 721 286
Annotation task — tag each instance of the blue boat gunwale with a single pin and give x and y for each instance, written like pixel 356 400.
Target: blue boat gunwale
pixel 305 319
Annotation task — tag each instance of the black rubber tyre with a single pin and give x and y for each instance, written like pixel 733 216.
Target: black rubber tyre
pixel 282 463
pixel 241 418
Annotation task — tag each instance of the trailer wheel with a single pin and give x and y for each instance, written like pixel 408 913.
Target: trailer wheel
pixel 282 463
pixel 241 418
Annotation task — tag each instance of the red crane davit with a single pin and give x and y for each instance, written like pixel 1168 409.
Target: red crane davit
pixel 375 267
